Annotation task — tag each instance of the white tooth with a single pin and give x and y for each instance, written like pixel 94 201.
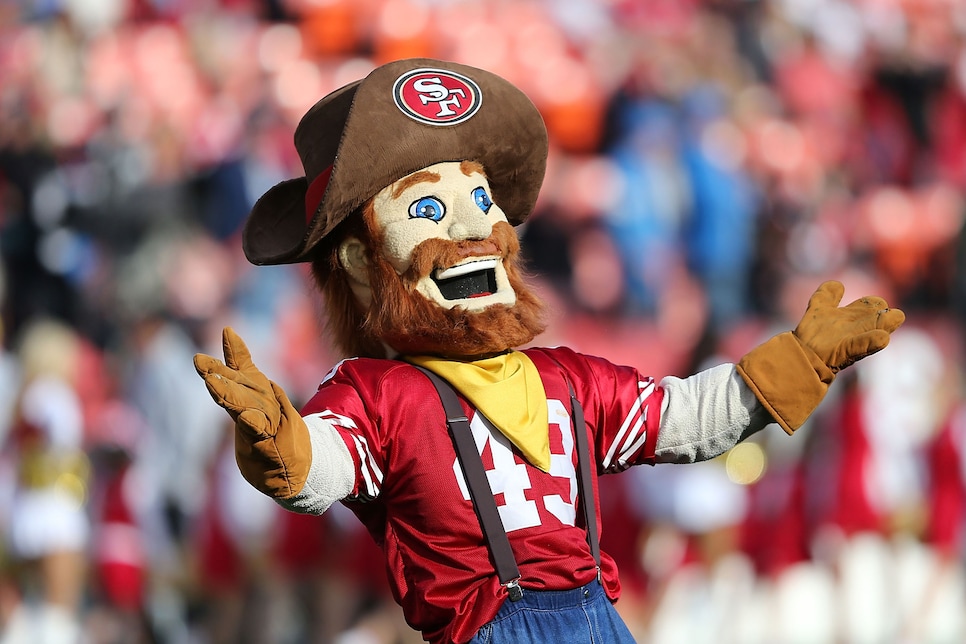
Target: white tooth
pixel 469 267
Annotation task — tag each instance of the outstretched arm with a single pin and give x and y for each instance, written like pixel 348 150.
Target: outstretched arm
pixel 782 380
pixel 304 469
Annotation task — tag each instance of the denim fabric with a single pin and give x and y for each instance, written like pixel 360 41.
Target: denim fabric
pixel 580 616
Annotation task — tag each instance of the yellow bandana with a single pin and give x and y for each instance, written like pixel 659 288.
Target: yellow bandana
pixel 507 390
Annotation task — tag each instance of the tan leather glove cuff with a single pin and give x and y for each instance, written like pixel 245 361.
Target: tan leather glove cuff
pixel 789 379
pixel 276 465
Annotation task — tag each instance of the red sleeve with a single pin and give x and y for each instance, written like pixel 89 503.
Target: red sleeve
pixel 341 400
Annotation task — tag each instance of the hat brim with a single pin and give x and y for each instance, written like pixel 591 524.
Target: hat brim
pixel 275 231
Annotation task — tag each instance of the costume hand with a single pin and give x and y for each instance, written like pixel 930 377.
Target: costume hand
pixel 791 372
pixel 272 445
pixel 840 336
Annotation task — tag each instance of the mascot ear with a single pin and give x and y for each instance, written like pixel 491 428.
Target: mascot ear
pixel 354 258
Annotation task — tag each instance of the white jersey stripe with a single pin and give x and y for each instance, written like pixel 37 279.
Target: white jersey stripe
pixel 332 371
pixel 372 462
pixel 635 432
pixel 627 434
pixel 627 454
pixel 335 419
pixel 620 434
pixel 369 472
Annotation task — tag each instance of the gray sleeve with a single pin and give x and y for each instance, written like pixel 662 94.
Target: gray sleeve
pixel 706 414
pixel 331 475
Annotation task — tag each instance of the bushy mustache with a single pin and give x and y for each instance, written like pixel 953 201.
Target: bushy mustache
pixel 438 254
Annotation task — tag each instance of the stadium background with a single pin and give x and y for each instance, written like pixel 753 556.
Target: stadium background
pixel 712 162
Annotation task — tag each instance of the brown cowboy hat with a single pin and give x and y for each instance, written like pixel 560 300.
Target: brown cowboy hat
pixel 404 116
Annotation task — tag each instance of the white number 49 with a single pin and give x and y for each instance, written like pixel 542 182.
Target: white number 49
pixel 511 479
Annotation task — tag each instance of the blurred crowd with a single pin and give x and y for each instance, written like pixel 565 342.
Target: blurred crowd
pixel 712 162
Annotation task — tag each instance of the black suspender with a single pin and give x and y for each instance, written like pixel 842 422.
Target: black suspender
pixel 482 495
pixel 585 486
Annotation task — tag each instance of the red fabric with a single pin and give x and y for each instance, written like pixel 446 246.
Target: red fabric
pixel 950 136
pixel 408 490
pixel 301 542
pixel 313 196
pixel 221 566
pixel 775 533
pixel 622 537
pixel 650 444
pixel 308 545
pixel 120 562
pixel 885 149
pixel 947 493
pixel 852 509
pixel 123 585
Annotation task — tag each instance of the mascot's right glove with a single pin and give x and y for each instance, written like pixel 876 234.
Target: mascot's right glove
pixel 791 372
pixel 272 445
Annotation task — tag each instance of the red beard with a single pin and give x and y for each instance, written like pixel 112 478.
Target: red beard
pixel 411 324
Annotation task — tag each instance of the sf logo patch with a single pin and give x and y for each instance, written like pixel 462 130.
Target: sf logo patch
pixel 436 96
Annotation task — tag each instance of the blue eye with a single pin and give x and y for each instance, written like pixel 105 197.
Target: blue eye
pixel 482 199
pixel 427 208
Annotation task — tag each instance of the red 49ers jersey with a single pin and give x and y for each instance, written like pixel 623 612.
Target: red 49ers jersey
pixel 411 495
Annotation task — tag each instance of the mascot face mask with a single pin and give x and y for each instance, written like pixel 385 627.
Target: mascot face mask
pixel 439 270
pixel 449 202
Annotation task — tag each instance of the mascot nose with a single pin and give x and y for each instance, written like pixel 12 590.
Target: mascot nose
pixel 469 226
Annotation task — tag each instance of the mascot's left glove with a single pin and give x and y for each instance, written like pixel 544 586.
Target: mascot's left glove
pixel 791 372
pixel 272 445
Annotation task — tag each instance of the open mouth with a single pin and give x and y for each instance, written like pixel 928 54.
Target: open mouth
pixel 472 279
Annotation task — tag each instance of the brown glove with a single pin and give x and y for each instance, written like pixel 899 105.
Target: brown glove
pixel 272 445
pixel 791 372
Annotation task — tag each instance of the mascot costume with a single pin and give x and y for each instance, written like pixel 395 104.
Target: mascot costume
pixel 474 463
